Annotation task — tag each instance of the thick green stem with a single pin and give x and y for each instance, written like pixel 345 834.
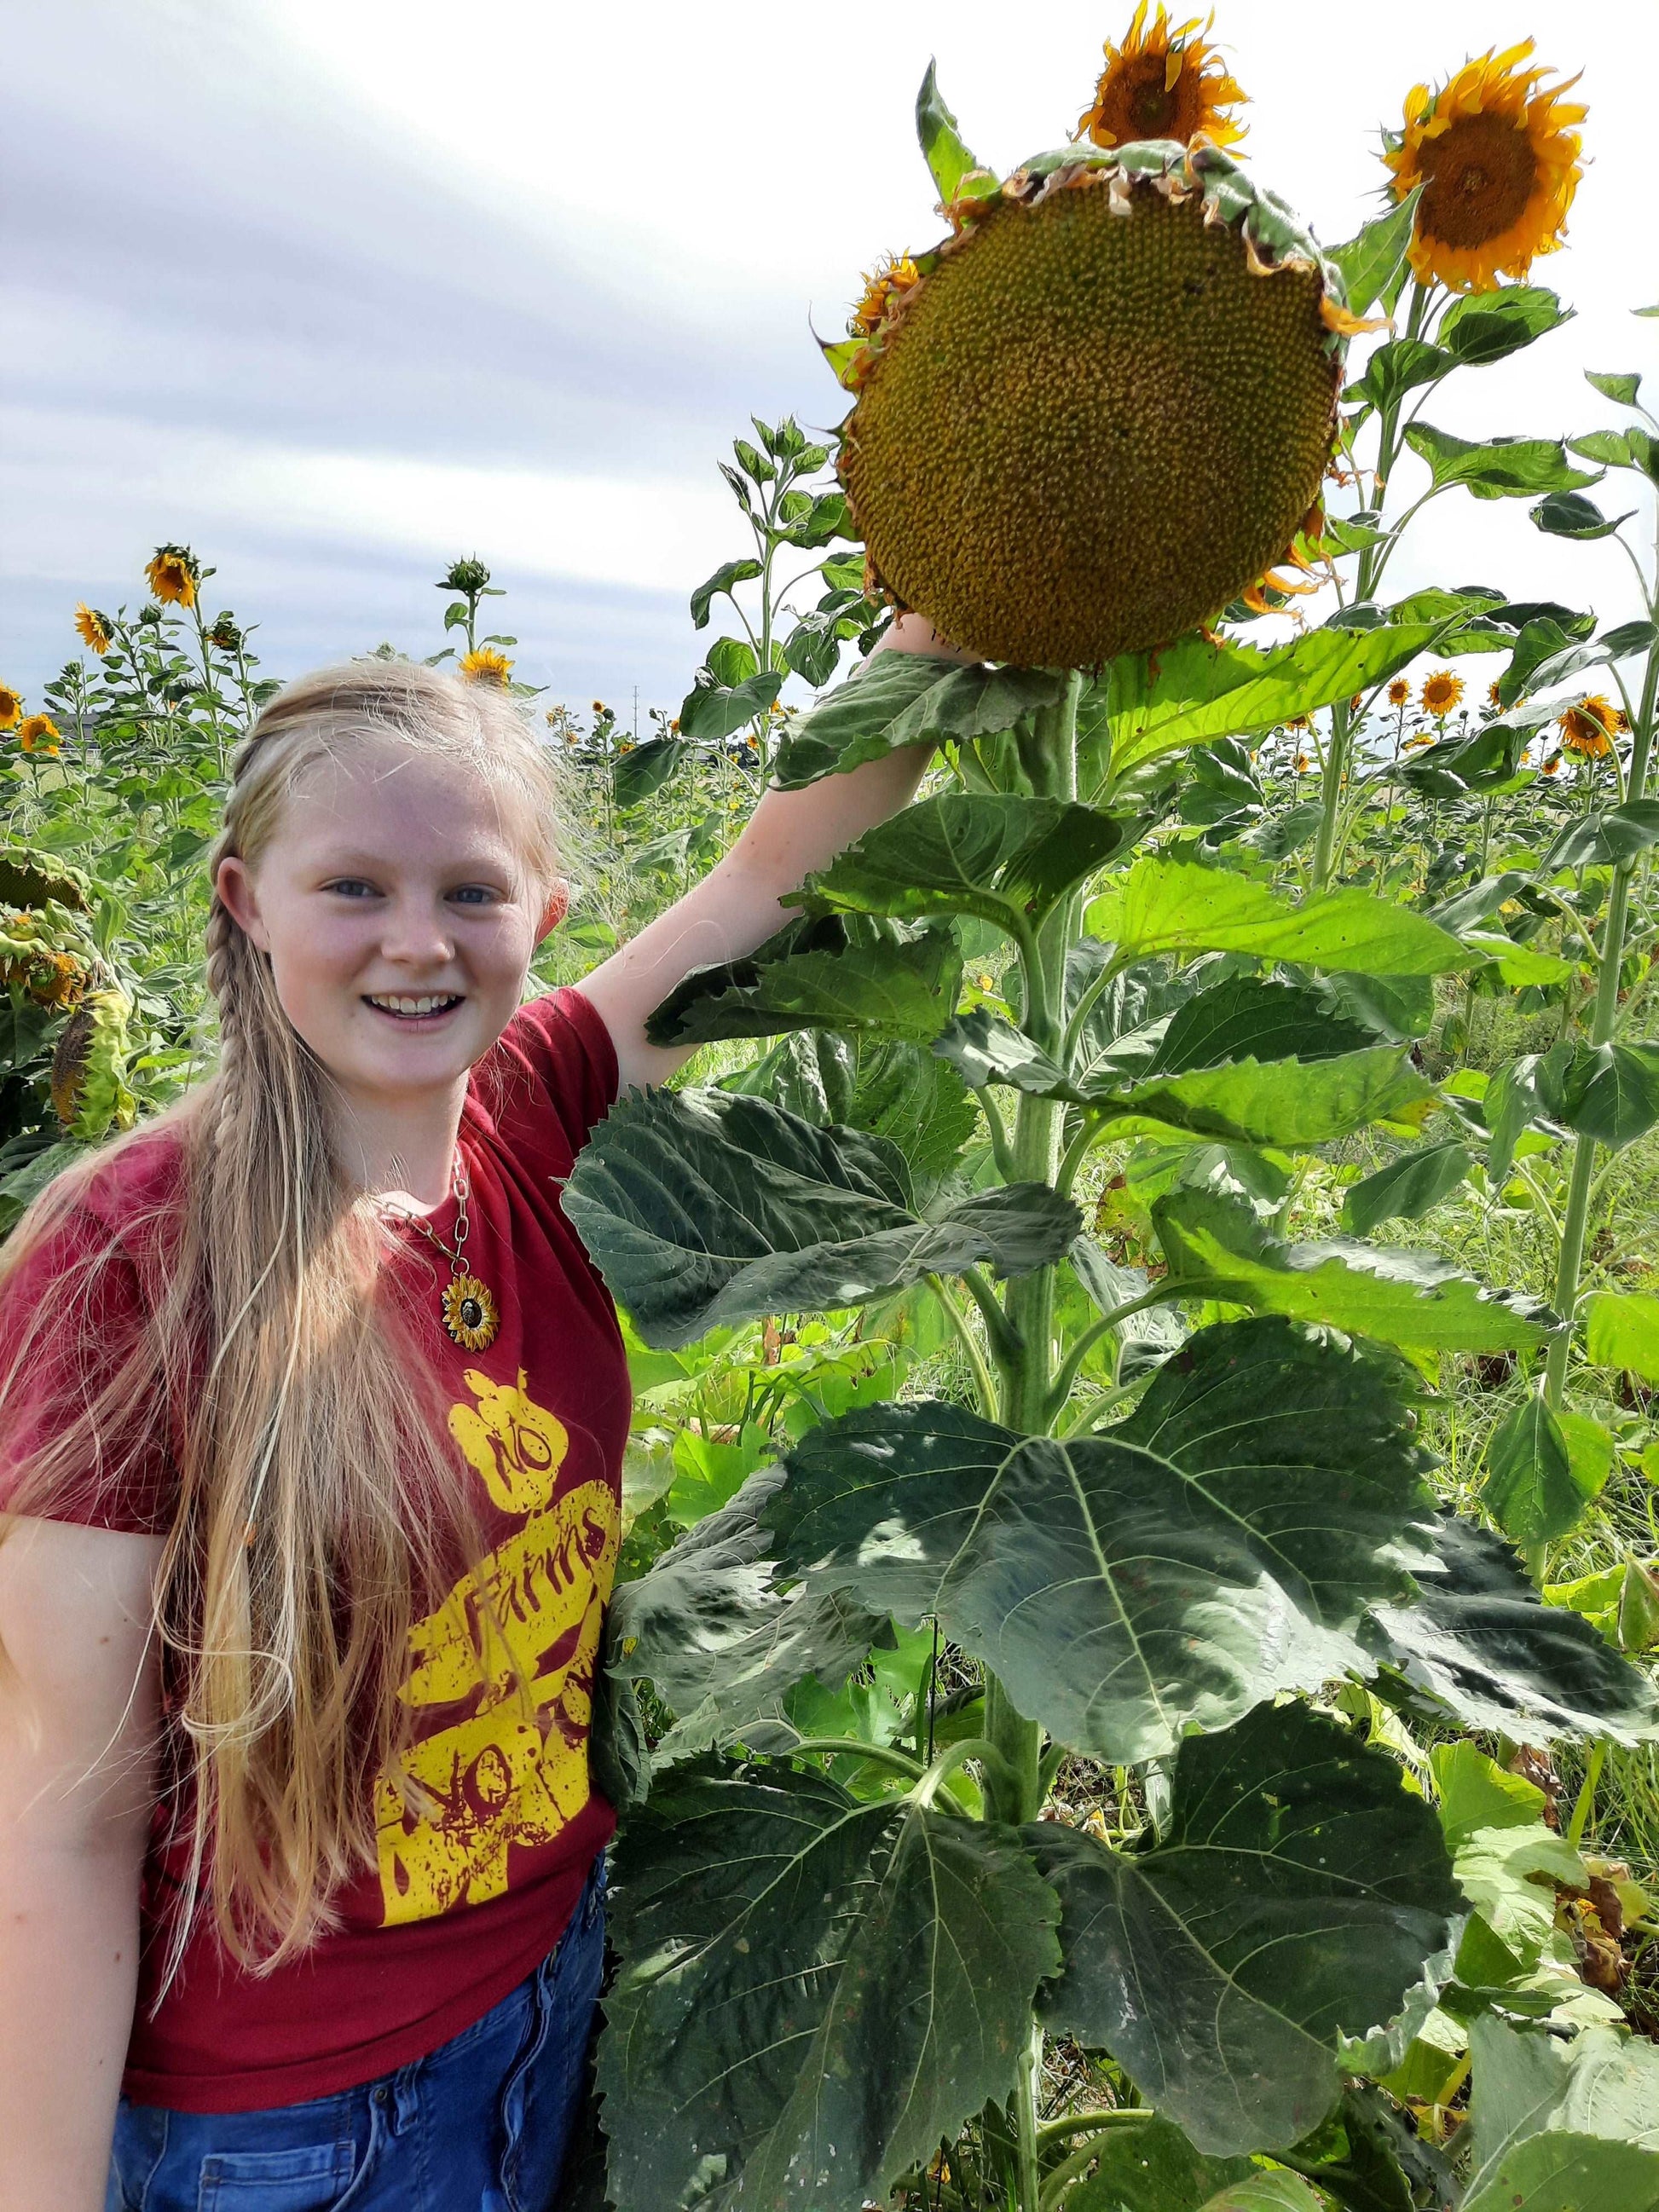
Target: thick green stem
pixel 1030 2172
pixel 1336 769
pixel 1604 1020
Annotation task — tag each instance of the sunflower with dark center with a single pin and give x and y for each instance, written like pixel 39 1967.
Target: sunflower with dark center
pixel 1587 729
pixel 1400 692
pixel 1497 158
pixel 1441 692
pixel 1105 409
pixel 1167 82
pixel 38 734
pixel 11 707
pixel 172 574
pixel 93 628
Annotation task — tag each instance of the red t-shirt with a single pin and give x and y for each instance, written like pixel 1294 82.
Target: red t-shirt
pixel 464 1905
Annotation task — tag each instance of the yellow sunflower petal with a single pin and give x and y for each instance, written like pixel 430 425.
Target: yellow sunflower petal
pixel 1167 82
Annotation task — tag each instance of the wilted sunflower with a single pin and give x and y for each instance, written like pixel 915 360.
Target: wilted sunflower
pixel 225 634
pixel 1441 692
pixel 1498 162
pixel 1400 692
pixel 1587 729
pixel 1165 82
pixel 1495 692
pixel 38 734
pixel 882 285
pixel 172 574
pixel 11 707
pixel 94 629
pixel 483 664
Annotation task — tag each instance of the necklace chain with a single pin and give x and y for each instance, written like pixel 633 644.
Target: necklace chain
pixel 467 1306
pixel 461 1186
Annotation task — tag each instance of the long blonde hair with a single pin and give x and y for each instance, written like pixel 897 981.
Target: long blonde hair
pixel 319 1501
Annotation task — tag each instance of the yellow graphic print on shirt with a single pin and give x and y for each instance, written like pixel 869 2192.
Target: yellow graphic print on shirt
pixel 501 1769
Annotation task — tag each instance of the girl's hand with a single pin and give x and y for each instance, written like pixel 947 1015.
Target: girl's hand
pixel 743 900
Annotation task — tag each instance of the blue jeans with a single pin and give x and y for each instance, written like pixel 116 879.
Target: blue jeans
pixel 481 2124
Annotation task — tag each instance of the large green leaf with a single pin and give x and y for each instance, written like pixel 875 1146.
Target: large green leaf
pixel 1607 1091
pixel 1196 690
pixel 702 1207
pixel 1496 468
pixel 1542 1470
pixel 720 1638
pixel 1176 906
pixel 1280 1102
pixel 1375 255
pixel 1562 2127
pixel 1246 1018
pixel 1151 2167
pixel 996 856
pixel 1623 1331
pixel 901 699
pixel 1407 1188
pixel 1209 1231
pixel 900 983
pixel 948 159
pixel 1293 1896
pixel 1486 326
pixel 1482 1641
pixel 812 1991
pixel 1214 1548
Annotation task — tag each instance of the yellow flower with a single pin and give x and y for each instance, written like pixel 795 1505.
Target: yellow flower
pixel 1498 162
pixel 1587 729
pixel 38 734
pixel 1440 691
pixel 11 707
pixel 1552 765
pixel 1301 763
pixel 1423 737
pixel 1296 722
pixel 1495 692
pixel 172 575
pixel 485 666
pixel 1165 82
pixel 94 629
pixel 1400 692
pixel 882 286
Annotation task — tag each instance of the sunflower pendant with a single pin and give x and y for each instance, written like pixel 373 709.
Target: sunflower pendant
pixel 471 1314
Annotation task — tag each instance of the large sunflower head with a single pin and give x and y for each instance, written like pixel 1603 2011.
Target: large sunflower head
pixel 93 628
pixel 1167 82
pixel 172 574
pixel 1154 348
pixel 11 707
pixel 1587 729
pixel 1497 158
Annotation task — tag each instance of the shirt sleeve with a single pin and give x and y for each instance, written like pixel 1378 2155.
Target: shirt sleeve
pixel 84 1284
pixel 555 1060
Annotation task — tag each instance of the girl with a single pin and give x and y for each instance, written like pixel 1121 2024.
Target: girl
pixel 311 1414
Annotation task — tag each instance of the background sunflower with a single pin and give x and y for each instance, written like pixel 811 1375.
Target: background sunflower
pixel 1167 82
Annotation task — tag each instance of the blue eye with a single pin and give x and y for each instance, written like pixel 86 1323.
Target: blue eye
pixel 351 887
pixel 474 895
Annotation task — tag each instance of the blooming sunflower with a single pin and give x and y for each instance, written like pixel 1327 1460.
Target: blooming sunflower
pixel 1400 692
pixel 483 664
pixel 1552 765
pixel 173 575
pixel 882 285
pixel 1441 692
pixel 38 734
pixel 1296 722
pixel 1498 162
pixel 1587 729
pixel 1167 82
pixel 94 629
pixel 11 707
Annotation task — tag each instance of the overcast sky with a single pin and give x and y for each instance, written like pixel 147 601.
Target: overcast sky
pixel 334 290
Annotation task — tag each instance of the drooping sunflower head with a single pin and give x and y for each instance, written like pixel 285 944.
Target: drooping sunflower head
pixel 1497 158
pixel 1153 347
pixel 484 665
pixel 1165 81
pixel 1441 692
pixel 11 707
pixel 172 574
pixel 1400 692
pixel 1588 728
pixel 1495 693
pixel 226 633
pixel 38 734
pixel 887 281
pixel 93 628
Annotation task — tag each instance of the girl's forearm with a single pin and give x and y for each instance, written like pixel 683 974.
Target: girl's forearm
pixel 69 1966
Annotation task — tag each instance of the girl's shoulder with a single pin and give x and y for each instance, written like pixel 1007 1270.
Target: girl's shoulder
pixel 129 1193
pixel 551 1075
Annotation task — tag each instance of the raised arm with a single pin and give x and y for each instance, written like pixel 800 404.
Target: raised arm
pixel 78 1707
pixel 740 903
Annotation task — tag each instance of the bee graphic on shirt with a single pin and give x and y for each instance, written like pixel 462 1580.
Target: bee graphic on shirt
pixel 502 1673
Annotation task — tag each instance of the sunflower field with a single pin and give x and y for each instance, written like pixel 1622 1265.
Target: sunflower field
pixel 1132 1686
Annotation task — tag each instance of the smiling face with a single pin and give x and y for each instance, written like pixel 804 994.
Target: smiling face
pixel 392 900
